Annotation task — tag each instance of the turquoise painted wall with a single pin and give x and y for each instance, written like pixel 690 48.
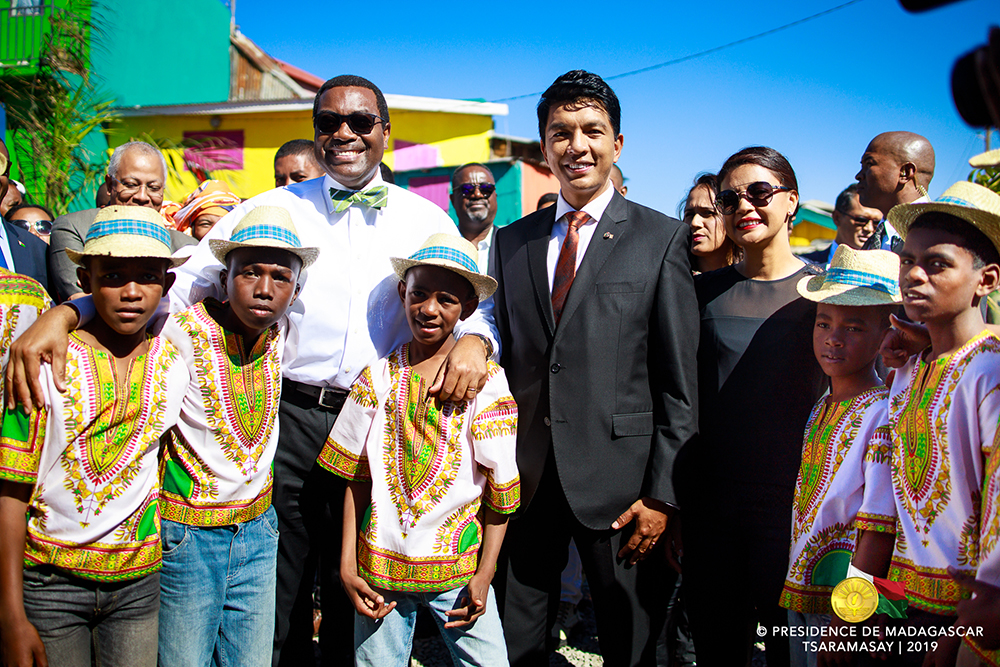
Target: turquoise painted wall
pixel 152 53
pixel 508 179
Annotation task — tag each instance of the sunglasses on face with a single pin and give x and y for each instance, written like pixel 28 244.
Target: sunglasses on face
pixel 327 122
pixel 43 227
pixel 759 194
pixel 469 189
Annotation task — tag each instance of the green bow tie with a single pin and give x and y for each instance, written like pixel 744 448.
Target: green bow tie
pixel 376 197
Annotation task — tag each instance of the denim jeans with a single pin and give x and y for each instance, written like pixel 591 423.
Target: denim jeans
pixel 387 642
pixel 83 622
pixel 797 647
pixel 217 593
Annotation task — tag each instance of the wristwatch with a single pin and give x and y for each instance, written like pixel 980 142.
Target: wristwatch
pixel 486 343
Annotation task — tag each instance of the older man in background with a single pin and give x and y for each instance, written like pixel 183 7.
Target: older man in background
pixel 474 196
pixel 137 176
pixel 855 225
pixel 896 168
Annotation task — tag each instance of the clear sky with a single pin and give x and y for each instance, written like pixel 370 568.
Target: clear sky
pixel 817 92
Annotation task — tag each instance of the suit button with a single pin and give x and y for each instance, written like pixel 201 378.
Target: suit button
pixel 548 422
pixel 555 368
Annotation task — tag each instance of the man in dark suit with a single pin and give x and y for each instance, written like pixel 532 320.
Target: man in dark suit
pixel 599 322
pixel 137 176
pixel 20 250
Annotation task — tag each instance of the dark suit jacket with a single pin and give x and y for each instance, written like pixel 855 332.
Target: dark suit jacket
pixel 613 389
pixel 821 257
pixel 29 254
pixel 70 231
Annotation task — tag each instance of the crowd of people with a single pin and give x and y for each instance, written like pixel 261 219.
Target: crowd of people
pixel 213 405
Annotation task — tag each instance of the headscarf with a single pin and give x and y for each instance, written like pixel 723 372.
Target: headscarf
pixel 211 197
pixel 168 209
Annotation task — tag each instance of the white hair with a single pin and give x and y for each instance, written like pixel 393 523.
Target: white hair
pixel 141 147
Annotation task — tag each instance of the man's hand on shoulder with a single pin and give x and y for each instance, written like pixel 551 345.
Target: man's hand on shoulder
pixel 651 517
pixel 463 373
pixel 45 341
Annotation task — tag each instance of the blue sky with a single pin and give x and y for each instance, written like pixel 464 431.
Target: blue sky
pixel 818 92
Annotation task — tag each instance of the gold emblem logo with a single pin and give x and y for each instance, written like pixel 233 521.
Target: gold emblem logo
pixel 854 599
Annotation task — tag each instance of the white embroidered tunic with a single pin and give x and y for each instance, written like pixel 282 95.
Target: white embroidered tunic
pixel 943 417
pixel 91 455
pixel 216 468
pixel 844 486
pixel 430 469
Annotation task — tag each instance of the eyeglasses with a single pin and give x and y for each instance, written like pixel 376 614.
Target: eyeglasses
pixel 469 189
pixel 128 190
pixel 759 194
pixel 327 122
pixel 862 221
pixel 43 227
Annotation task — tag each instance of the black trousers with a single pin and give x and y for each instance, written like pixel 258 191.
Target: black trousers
pixel 736 542
pixel 309 503
pixel 630 601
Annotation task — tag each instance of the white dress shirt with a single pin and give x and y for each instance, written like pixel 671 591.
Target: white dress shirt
pixel 595 209
pixel 484 250
pixel 348 313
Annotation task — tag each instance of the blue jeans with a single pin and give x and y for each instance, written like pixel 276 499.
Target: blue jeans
pixel 797 648
pixel 217 593
pixel 84 622
pixel 387 642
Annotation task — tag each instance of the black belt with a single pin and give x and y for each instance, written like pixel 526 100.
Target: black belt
pixel 330 399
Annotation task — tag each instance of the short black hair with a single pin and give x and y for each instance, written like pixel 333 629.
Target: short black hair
pixel 468 165
pixel 844 198
pixel 548 198
pixel 387 174
pixel 353 81
pixel 979 245
pixel 296 147
pixel 18 207
pixel 580 86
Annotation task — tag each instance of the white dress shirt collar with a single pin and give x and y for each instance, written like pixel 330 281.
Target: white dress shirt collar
pixel 330 182
pixel 594 208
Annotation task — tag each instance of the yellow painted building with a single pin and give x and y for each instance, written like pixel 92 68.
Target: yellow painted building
pixel 236 141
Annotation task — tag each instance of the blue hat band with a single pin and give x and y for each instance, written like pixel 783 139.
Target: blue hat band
pixel 129 226
pixel 862 279
pixel 948 199
pixel 450 254
pixel 270 232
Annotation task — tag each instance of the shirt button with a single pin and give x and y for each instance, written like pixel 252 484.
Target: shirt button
pixel 347 370
pixel 555 368
pixel 548 422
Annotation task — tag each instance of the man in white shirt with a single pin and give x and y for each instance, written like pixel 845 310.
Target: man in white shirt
pixel 348 314
pixel 896 168
pixel 474 196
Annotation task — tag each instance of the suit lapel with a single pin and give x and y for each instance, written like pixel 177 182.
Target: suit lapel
pixel 601 244
pixel 538 248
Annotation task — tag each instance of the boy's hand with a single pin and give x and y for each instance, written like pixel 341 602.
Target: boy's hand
pixel 839 657
pixel 45 340
pixel 946 653
pixel 22 647
pixel 982 611
pixel 463 373
pixel 473 602
pixel 366 601
pixel 902 341
pixel 651 517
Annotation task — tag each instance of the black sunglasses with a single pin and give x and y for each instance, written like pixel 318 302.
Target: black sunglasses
pixel 40 226
pixel 758 194
pixel 327 122
pixel 469 189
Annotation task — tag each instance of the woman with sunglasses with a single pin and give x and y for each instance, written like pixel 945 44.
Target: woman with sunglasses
pixel 711 249
pixel 758 381
pixel 34 218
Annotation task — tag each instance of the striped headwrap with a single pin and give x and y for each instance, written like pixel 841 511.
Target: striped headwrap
pixel 211 198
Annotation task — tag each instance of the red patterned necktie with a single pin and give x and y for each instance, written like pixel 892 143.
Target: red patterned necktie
pixel 566 264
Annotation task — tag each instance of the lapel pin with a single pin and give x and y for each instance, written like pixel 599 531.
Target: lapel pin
pixel 608 235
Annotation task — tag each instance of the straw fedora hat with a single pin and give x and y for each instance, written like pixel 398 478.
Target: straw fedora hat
pixel 3 163
pixel 452 252
pixel 971 202
pixel 856 278
pixel 126 231
pixel 987 159
pixel 265 227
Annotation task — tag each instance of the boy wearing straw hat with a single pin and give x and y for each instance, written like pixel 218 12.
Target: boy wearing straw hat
pixel 220 535
pixel 79 527
pixel 843 494
pixel 420 472
pixel 944 403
